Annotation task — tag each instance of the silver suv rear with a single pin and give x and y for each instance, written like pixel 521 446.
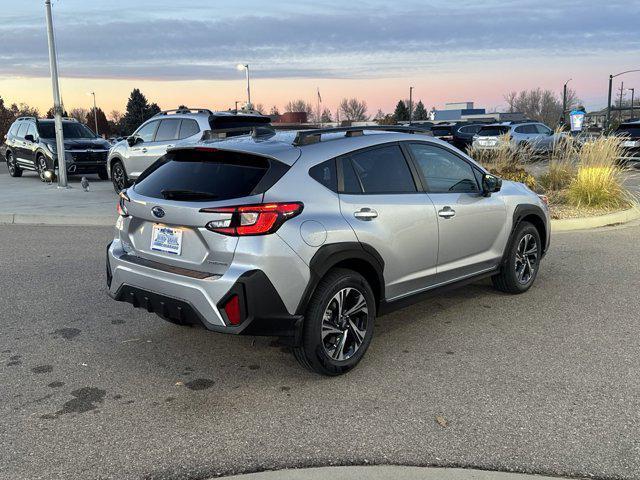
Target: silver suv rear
pixel 533 136
pixel 310 236
pixel 130 157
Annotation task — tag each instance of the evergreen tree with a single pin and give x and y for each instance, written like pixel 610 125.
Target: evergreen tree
pixel 138 110
pixel 103 124
pixel 420 113
pixel 401 112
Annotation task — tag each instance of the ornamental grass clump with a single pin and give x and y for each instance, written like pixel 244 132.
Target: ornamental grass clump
pixel 598 180
pixel 562 165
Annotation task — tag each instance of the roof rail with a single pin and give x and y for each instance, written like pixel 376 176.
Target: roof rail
pixel 26 118
pixel 184 110
pixel 308 137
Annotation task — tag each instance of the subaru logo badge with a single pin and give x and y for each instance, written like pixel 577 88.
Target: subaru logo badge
pixel 158 212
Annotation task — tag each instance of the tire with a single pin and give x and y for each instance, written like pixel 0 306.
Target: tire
pixel 102 174
pixel 517 275
pixel 41 167
pixel 14 170
pixel 119 176
pixel 346 337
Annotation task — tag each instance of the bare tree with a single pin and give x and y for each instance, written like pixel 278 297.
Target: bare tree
pixel 259 108
pixel 274 110
pixel 80 114
pixel 541 105
pixel 115 116
pixel 326 117
pixel 299 106
pixel 353 109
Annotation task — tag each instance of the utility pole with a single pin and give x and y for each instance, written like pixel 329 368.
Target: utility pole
pixel 410 105
pixel 95 112
pixel 608 123
pixel 633 91
pixel 620 102
pixel 57 109
pixel 564 100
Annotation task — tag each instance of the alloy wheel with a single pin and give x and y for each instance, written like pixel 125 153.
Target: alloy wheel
pixel 42 168
pixel 118 176
pixel 526 259
pixel 344 324
pixel 11 164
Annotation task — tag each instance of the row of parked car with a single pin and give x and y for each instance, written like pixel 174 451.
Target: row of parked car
pixel 30 143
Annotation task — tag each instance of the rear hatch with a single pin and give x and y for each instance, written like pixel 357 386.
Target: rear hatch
pixel 489 136
pixel 443 132
pixel 167 223
pixel 630 134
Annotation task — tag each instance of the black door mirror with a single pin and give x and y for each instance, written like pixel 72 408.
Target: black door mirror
pixel 29 138
pixel 132 140
pixel 490 184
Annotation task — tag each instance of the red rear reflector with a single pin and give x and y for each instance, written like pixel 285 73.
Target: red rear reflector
pixel 232 309
pixel 258 219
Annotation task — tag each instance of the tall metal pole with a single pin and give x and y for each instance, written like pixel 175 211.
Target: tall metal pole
pixel 57 109
pixel 609 103
pixel 633 91
pixel 620 114
pixel 248 86
pixel 95 112
pixel 410 105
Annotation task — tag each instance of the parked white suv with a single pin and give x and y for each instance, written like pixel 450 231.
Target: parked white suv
pixel 533 136
pixel 130 157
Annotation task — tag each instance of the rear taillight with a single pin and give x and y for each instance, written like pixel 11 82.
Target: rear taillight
pixel 258 219
pixel 122 208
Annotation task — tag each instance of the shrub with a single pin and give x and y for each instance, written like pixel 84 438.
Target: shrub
pixel 597 182
pixel 503 161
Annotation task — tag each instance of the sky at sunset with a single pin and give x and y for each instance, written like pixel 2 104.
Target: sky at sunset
pixel 180 52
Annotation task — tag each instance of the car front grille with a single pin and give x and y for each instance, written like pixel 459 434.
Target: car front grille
pixel 80 156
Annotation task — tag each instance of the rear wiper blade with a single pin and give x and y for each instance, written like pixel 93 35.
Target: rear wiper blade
pixel 187 194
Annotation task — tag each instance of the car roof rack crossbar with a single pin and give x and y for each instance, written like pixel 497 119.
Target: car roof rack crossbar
pixel 26 118
pixel 256 131
pixel 308 137
pixel 184 110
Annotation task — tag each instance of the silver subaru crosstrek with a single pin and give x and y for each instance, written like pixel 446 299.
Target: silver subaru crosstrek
pixel 310 236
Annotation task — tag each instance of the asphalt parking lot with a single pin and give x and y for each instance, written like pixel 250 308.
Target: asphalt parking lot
pixel 546 382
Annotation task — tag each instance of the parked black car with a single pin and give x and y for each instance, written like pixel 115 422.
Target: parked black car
pixel 463 134
pixel 630 132
pixel 30 144
pixel 444 131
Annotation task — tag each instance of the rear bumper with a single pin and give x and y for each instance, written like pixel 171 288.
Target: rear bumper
pixel 195 299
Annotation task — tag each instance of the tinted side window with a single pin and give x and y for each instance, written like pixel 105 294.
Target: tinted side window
pixel 522 129
pixel 31 130
pixel 530 129
pixel 543 129
pixel 22 130
pixel 380 170
pixel 146 132
pixel 188 128
pixel 168 130
pixel 444 171
pixel 325 173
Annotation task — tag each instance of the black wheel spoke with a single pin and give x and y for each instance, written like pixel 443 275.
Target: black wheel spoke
pixel 344 323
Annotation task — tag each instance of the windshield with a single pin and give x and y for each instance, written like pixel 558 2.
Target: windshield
pixel 441 131
pixel 493 131
pixel 69 130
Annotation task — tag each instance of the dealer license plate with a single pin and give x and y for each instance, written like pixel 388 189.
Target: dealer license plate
pixel 166 239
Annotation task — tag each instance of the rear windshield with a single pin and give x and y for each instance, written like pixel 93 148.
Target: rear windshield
pixel 197 175
pixel 46 129
pixel 629 130
pixel 441 131
pixel 493 131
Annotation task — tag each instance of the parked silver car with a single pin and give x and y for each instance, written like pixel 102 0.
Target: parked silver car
pixel 310 236
pixel 533 136
pixel 130 157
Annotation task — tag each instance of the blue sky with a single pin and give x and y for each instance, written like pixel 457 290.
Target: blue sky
pixel 367 46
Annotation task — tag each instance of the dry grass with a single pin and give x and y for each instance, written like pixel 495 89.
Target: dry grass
pixel 562 165
pixel 597 181
pixel 504 161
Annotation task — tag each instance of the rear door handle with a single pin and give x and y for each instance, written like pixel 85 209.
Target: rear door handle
pixel 447 212
pixel 365 214
pixel 144 150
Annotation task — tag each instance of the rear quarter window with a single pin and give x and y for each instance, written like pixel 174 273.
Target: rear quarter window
pixel 325 173
pixel 205 175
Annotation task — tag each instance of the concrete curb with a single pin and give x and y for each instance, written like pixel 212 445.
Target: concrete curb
pixel 570 224
pixel 57 220
pixel 386 472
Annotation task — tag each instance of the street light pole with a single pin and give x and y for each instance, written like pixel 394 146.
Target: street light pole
pixel 633 91
pixel 95 112
pixel 57 108
pixel 611 77
pixel 245 66
pixel 564 99
pixel 410 105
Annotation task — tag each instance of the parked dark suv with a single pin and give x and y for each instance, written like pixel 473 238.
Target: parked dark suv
pixel 31 145
pixel 630 133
